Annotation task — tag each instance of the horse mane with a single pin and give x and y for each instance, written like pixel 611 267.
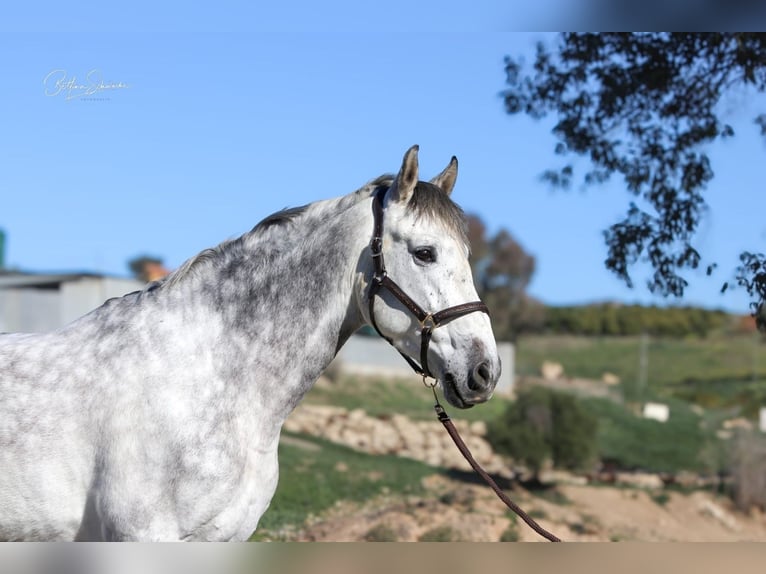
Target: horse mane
pixel 427 201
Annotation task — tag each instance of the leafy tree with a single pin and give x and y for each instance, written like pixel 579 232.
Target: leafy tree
pixel 613 319
pixel 502 271
pixel 642 106
pixel 546 425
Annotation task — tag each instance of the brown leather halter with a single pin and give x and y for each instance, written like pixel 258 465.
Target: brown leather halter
pixel 381 280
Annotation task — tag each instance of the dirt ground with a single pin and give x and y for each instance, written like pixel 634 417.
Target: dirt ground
pixel 453 510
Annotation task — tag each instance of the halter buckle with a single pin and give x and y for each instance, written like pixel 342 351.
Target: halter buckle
pixel 376 246
pixel 428 322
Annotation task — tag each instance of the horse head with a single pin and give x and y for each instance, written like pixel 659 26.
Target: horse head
pixel 420 291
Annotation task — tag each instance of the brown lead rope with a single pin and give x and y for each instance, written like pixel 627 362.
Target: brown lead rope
pixel 456 438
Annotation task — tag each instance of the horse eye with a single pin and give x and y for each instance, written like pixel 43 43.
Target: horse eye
pixel 425 255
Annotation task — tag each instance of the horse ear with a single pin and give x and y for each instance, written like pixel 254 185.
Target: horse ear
pixel 407 178
pixel 446 179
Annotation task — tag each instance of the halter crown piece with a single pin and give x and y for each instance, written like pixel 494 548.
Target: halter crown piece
pixel 381 280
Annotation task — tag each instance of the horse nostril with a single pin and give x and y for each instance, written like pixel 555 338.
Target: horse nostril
pixel 481 377
pixel 484 371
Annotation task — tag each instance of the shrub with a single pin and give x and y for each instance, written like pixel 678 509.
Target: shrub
pixel 748 470
pixel 545 425
pixel 510 534
pixel 438 534
pixel 380 533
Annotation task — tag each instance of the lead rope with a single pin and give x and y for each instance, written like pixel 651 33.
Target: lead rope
pixel 457 439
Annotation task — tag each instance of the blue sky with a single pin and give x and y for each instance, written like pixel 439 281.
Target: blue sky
pixel 230 115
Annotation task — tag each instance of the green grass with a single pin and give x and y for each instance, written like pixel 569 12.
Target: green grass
pixel 720 371
pixel 671 361
pixel 407 397
pixel 684 442
pixel 311 482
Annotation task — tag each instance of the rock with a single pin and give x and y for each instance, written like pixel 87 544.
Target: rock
pixel 553 476
pixel 551 371
pixel 610 379
pixel 421 440
pixel 478 428
pixel 712 509
pixel 738 423
pixel 686 479
pixel 639 479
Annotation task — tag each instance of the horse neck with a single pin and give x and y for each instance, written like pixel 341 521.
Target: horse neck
pixel 285 299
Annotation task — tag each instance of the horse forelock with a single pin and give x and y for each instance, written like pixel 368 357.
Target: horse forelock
pixel 431 202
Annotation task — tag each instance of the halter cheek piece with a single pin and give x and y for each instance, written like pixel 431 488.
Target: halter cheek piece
pixel 381 280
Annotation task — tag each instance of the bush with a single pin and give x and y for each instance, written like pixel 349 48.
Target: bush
pixel 546 425
pixel 380 533
pixel 510 534
pixel 748 470
pixel 438 534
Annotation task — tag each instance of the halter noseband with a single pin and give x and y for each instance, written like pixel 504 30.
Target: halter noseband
pixel 428 321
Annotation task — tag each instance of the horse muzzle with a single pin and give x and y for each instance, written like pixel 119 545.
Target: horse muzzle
pixel 475 387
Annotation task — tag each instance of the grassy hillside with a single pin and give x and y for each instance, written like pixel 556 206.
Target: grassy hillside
pixel 314 474
pixel 686 442
pixel 671 361
pixel 717 371
pixel 726 375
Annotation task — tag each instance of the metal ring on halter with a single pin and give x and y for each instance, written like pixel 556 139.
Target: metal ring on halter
pixel 430 385
pixel 428 322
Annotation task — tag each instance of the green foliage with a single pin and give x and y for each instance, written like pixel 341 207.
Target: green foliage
pixel 438 534
pixel 502 270
pixel 661 498
pixel 644 107
pixel 608 319
pixel 380 533
pixel 510 534
pixel 751 274
pixel 541 425
pixel 737 391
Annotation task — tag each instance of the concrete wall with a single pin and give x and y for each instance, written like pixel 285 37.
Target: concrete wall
pixel 34 310
pixel 29 310
pixel 82 296
pixel 373 356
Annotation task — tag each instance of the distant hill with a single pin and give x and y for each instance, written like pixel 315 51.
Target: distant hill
pixel 616 319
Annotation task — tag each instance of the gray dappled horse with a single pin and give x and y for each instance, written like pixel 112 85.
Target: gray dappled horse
pixel 157 416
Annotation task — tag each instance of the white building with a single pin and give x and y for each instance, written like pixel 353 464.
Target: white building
pixel 37 302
